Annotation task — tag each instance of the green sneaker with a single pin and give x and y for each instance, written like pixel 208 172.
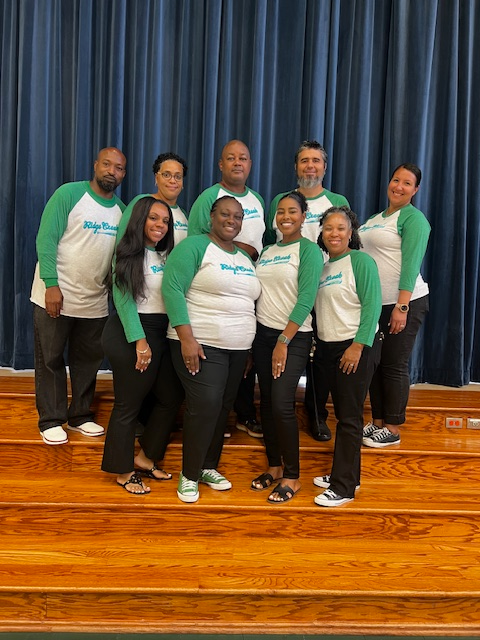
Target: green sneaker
pixel 215 480
pixel 187 489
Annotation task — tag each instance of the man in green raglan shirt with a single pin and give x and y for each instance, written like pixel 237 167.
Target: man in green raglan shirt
pixel 75 244
pixel 235 164
pixel 310 169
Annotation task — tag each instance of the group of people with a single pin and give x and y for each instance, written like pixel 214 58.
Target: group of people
pixel 206 303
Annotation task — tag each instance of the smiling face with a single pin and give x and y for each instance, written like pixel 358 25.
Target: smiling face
pixel 156 224
pixel 290 218
pixel 169 181
pixel 401 189
pixel 310 168
pixel 336 234
pixel 235 165
pixel 226 219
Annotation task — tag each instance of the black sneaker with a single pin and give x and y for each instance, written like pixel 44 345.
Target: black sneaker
pixel 252 427
pixel 382 438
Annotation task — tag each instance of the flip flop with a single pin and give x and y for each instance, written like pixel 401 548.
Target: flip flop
pixel 148 473
pixel 265 479
pixel 283 492
pixel 135 479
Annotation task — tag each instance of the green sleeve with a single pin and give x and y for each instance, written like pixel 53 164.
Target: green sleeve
pixel 338 200
pixel 270 235
pixel 414 229
pixel 52 227
pixel 127 214
pixel 309 272
pixel 199 218
pixel 128 313
pixel 369 293
pixel 180 269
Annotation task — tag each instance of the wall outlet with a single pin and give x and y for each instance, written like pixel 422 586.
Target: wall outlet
pixel 473 423
pixel 454 423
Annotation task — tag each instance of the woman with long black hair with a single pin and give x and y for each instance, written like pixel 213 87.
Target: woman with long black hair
pixel 134 340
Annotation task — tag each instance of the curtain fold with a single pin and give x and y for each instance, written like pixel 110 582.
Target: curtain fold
pixel 378 82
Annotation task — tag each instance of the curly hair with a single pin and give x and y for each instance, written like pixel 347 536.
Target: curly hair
pixel 352 221
pixel 163 157
pixel 130 252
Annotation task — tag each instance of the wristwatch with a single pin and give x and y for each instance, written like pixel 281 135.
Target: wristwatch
pixel 403 307
pixel 283 339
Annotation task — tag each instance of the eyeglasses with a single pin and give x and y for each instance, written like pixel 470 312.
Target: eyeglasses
pixel 166 175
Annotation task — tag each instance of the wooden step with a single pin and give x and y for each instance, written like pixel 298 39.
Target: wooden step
pixel 78 553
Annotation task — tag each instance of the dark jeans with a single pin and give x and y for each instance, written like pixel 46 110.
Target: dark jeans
pixel 131 387
pixel 316 387
pixel 277 397
pixel 244 405
pixel 348 395
pixel 316 393
pixel 85 355
pixel 210 395
pixel 391 382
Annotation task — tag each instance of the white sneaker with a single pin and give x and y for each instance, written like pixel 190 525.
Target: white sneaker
pixel 324 481
pixel 330 499
pixel 88 429
pixel 54 435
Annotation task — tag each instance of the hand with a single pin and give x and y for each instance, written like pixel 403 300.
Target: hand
pixel 350 358
pixel 192 353
pixel 53 301
pixel 398 320
pixel 279 359
pixel 144 355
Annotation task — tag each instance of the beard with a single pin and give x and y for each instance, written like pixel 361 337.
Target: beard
pixel 310 183
pixel 107 185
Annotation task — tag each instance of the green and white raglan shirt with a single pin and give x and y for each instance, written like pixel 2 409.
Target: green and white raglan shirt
pixel 75 244
pixel 289 275
pixel 214 291
pixel 349 299
pixel 398 243
pixel 311 226
pixel 128 308
pixel 253 226
pixel 180 222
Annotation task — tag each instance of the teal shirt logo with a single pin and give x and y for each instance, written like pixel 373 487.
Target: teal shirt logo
pixel 103 228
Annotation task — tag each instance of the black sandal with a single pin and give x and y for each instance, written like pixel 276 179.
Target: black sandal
pixel 265 480
pixel 148 473
pixel 285 492
pixel 135 479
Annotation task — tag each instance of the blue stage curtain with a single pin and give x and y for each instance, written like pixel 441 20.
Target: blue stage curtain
pixel 379 82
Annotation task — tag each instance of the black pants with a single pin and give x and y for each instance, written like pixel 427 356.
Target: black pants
pixel 391 382
pixel 85 355
pixel 316 393
pixel 131 387
pixel 209 395
pixel 277 397
pixel 244 405
pixel 348 395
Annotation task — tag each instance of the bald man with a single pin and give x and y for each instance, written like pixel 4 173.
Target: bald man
pixel 235 164
pixel 75 244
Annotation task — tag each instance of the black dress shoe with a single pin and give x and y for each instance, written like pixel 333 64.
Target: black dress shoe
pixel 319 430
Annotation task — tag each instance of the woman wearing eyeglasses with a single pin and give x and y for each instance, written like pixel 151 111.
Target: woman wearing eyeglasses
pixel 169 170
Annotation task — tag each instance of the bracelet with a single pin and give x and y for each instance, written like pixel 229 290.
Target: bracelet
pixel 142 353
